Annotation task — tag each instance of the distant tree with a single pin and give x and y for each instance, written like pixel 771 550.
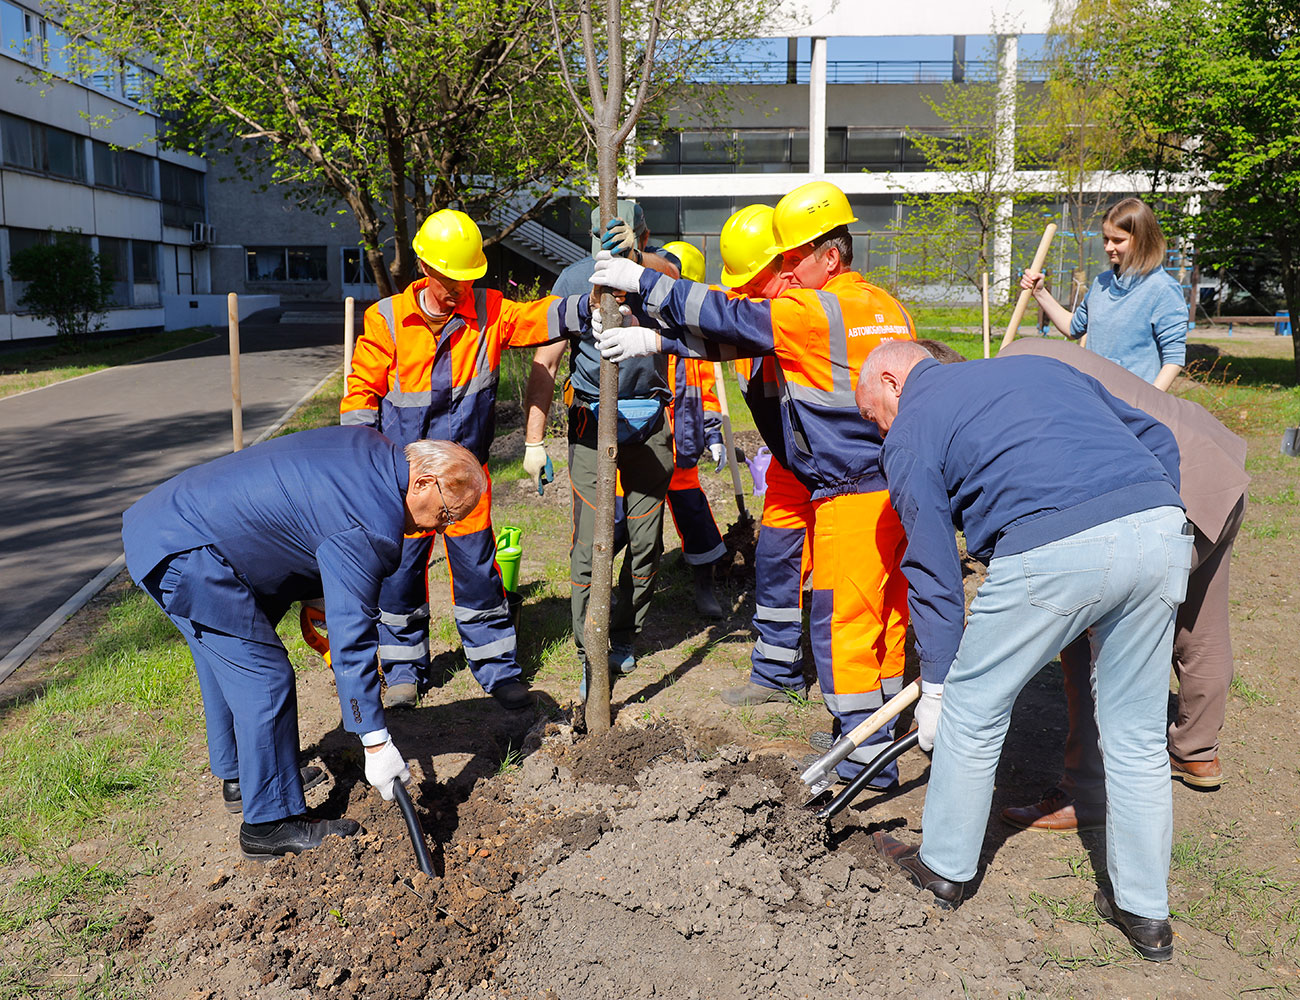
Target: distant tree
pixel 68 284
pixel 1211 93
pixel 946 238
pixel 396 108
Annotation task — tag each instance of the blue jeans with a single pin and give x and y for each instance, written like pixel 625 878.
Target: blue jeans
pixel 1121 583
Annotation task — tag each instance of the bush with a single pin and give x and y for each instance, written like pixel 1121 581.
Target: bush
pixel 68 284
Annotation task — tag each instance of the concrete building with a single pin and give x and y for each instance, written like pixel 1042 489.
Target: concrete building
pixel 78 153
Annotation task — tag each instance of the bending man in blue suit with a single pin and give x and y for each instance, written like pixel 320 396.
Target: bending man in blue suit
pixel 225 548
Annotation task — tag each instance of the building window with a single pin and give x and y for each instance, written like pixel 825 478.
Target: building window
pixel 16 31
pixel 123 169
pixel 46 150
pixel 286 264
pixel 182 195
pixel 356 267
pixel 115 254
pixel 138 83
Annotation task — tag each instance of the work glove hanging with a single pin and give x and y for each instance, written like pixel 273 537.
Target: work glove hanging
pixel 535 463
pixel 717 453
pixel 927 714
pixel 383 766
pixel 627 342
pixel 618 238
pixel 617 273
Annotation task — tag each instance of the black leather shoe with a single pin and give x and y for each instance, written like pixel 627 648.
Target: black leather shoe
pixel 947 894
pixel 292 836
pixel 230 795
pixel 513 695
pixel 1153 939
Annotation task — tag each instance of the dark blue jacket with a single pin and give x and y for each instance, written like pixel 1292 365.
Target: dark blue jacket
pixel 1015 453
pixel 318 513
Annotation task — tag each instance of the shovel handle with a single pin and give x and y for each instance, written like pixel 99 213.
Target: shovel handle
pixel 854 788
pixel 413 827
pixel 850 741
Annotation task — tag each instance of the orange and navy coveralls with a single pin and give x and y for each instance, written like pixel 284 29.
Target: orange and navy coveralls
pixel 695 416
pixel 820 339
pixel 410 381
pixel 783 553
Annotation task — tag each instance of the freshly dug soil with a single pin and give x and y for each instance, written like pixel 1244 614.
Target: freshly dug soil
pixel 630 864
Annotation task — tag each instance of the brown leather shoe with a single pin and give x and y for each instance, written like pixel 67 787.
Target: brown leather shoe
pixel 1056 812
pixel 947 894
pixel 1197 773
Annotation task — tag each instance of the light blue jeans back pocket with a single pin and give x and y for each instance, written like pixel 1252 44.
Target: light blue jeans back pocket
pixel 1066 576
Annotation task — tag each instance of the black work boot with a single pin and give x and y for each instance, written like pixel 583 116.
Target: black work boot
pixel 292 835
pixel 706 602
pixel 1152 939
pixel 946 892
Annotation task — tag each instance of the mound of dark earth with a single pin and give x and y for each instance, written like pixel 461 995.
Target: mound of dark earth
pixel 625 865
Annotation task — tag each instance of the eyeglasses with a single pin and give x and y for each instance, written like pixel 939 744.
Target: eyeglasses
pixel 447 516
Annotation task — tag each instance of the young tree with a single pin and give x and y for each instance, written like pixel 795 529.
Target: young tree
pixel 68 284
pixel 946 238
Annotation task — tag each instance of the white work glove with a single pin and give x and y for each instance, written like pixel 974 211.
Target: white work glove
pixel 383 766
pixel 534 461
pixel 598 317
pixel 618 273
pixel 627 342
pixel 716 452
pixel 927 714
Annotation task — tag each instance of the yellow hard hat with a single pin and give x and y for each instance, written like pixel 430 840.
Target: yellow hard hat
pixel 691 258
pixel 809 211
pixel 450 243
pixel 746 244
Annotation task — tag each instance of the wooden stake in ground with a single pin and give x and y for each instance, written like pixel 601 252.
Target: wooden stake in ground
pixel 236 399
pixel 349 318
pixel 729 444
pixel 984 300
pixel 1040 257
pixel 610 128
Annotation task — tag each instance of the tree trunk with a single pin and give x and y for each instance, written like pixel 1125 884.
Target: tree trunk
pixel 595 633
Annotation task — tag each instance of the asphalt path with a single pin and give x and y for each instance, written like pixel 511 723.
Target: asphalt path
pixel 76 454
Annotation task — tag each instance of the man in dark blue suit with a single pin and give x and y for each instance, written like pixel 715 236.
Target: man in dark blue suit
pixel 225 548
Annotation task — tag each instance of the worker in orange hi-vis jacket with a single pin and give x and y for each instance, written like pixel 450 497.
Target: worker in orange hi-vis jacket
pixel 695 415
pixel 426 367
pixel 820 331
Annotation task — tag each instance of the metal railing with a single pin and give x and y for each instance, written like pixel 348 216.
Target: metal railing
pixel 852 71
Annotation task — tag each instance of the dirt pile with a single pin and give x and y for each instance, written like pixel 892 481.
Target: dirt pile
pixel 632 864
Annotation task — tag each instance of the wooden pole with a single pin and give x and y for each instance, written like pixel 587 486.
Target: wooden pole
pixel 236 399
pixel 984 297
pixel 1040 257
pixel 728 443
pixel 349 318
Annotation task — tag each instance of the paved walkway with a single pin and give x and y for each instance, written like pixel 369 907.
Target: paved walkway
pixel 76 454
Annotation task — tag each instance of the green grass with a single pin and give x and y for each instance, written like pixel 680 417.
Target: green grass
pixel 322 410
pixel 1247 692
pixel 111 731
pixel 34 367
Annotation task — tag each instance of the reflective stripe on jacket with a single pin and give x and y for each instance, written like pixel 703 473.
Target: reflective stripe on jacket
pixel 821 339
pixel 409 385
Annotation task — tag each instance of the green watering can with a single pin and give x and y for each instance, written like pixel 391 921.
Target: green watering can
pixel 508 555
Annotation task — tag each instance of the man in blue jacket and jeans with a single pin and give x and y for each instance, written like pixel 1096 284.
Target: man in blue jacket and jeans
pixel 225 548
pixel 1070 497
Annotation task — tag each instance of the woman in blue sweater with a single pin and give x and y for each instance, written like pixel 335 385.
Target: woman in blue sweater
pixel 1134 314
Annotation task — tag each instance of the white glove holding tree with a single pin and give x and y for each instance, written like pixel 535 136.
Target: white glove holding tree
pixel 617 273
pixel 384 764
pixel 627 342
pixel 927 714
